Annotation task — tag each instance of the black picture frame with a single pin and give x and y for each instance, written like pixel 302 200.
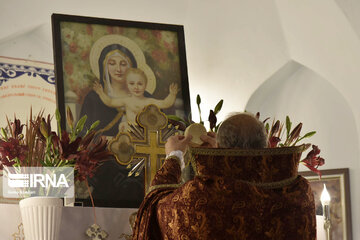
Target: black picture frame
pixel 338 185
pixel 79 43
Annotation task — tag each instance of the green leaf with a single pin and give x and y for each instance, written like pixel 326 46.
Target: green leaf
pixel 58 120
pixel 94 125
pixel 80 124
pixel 309 134
pixel 288 126
pixel 57 115
pixel 218 106
pixel 3 133
pixel 267 127
pixel 176 118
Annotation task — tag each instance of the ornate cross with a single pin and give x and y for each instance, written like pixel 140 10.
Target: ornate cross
pixel 96 233
pixel 154 155
pixel 20 234
pixel 143 146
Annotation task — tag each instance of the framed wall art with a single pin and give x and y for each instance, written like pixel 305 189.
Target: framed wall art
pixel 338 186
pixel 108 70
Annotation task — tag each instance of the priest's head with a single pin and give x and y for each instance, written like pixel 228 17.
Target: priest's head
pixel 241 130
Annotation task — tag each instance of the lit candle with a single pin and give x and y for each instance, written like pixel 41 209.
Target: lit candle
pixel 325 201
pixel 325 197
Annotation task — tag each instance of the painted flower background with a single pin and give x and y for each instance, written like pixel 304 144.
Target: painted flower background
pixel 159 47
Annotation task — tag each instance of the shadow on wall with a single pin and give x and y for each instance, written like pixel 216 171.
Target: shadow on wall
pixel 306 97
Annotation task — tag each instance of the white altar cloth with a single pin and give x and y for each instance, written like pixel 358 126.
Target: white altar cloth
pixel 74 223
pixel 76 220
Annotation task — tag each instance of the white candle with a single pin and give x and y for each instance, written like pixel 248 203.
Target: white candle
pixel 325 197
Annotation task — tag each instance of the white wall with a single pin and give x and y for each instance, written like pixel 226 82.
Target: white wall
pixel 306 97
pixel 232 48
pixel 320 37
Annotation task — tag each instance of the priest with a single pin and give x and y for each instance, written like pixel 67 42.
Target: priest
pixel 241 189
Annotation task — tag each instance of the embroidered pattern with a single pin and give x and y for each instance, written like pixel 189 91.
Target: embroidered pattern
pixel 10 71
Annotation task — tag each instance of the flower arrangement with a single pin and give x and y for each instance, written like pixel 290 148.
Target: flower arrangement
pixel 39 146
pixel 276 138
pixel 275 133
pixel 183 123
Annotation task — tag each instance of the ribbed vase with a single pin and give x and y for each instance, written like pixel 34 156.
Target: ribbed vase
pixel 41 217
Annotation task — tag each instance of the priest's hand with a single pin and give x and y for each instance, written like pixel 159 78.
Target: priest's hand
pixel 209 140
pixel 177 143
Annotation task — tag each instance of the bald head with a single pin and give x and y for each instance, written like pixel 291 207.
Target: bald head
pixel 241 130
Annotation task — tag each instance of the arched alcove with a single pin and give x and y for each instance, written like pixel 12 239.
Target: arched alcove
pixel 306 97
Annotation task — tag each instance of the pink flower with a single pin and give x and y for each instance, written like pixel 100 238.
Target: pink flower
pixel 89 29
pixel 312 161
pixel 157 34
pixel 115 30
pixel 73 47
pixel 69 68
pixel 11 149
pixel 273 141
pixel 66 148
pixel 91 157
pixel 109 30
pixel 170 46
pixel 143 35
pixel 159 55
pixel 16 128
pixel 84 55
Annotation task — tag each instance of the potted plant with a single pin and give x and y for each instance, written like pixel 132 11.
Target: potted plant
pixel 34 144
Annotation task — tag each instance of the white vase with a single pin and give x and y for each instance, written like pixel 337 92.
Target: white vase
pixel 41 217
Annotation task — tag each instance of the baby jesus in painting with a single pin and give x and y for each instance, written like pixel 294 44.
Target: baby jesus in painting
pixel 136 82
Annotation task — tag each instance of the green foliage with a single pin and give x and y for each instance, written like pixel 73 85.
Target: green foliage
pixel 292 135
pixel 212 115
pixel 176 118
pixel 218 106
pixel 288 126
pixel 58 120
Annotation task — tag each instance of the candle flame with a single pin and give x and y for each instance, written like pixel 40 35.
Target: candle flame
pixel 325 197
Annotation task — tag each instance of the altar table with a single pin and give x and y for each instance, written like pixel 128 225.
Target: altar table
pixel 74 223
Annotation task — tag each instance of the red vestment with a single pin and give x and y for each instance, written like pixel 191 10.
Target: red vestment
pixel 236 194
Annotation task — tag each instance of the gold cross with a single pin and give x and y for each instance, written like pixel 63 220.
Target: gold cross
pixel 144 140
pixel 154 151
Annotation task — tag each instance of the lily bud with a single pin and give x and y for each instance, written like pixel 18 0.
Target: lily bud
pixel 69 117
pixel 3 134
pixel 295 133
pixel 43 129
pixel 212 119
pixel 16 127
pixel 275 128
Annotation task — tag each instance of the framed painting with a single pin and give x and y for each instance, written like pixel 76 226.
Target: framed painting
pixel 109 70
pixel 338 186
